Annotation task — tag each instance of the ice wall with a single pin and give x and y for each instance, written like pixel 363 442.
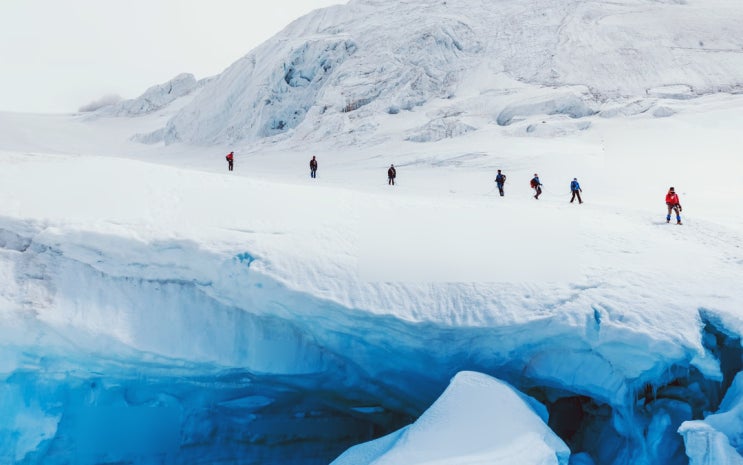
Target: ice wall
pixel 104 334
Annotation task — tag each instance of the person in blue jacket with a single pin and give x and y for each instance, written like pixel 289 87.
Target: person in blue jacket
pixel 536 184
pixel 576 190
pixel 500 180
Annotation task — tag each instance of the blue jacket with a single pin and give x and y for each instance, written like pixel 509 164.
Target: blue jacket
pixel 574 186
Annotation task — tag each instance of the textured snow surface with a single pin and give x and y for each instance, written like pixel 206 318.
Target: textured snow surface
pixel 329 73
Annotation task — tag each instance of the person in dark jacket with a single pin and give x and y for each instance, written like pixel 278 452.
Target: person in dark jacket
pixel 230 160
pixel 576 190
pixel 536 185
pixel 391 175
pixel 500 180
pixel 313 167
pixel 674 205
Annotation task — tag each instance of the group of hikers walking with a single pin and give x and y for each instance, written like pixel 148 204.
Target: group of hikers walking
pixel 672 199
pixel 536 184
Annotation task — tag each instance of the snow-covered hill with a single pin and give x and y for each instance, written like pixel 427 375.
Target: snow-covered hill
pixel 155 308
pixel 336 72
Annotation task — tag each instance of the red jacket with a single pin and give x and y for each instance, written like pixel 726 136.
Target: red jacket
pixel 672 199
pixel 229 157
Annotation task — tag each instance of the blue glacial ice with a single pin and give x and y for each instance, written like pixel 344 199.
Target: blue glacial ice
pixel 116 350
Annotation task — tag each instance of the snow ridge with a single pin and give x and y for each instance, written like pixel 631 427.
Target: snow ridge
pixel 155 98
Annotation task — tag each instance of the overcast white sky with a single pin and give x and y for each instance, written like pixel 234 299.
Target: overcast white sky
pixel 57 55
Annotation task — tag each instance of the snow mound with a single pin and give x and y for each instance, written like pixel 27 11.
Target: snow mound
pixel 568 103
pixel 478 419
pixel 556 128
pixel 439 129
pixel 663 112
pixel 678 92
pixel 635 107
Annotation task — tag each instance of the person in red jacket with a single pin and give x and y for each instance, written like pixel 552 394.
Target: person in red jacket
pixel 673 204
pixel 230 160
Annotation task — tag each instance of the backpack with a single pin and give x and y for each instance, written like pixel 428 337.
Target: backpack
pixel 533 183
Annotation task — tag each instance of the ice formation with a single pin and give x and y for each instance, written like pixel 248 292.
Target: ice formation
pixel 154 309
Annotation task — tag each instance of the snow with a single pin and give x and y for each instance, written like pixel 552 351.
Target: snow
pixel 285 319
pixel 154 98
pixel 478 419
pixel 331 72
pixel 180 269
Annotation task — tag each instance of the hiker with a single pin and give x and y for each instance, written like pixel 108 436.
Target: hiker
pixel 500 179
pixel 313 167
pixel 536 185
pixel 230 160
pixel 576 190
pixel 391 174
pixel 673 204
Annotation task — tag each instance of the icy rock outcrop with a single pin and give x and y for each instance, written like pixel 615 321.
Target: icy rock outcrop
pixel 478 419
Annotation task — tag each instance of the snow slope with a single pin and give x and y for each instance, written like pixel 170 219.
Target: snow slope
pixel 331 73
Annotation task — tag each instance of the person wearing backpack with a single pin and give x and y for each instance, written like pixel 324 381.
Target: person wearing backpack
pixel 536 185
pixel 674 205
pixel 500 180
pixel 230 160
pixel 576 190
pixel 313 167
pixel 391 175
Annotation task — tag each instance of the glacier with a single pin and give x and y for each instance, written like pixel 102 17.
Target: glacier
pixel 230 339
pixel 156 309
pixel 330 72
